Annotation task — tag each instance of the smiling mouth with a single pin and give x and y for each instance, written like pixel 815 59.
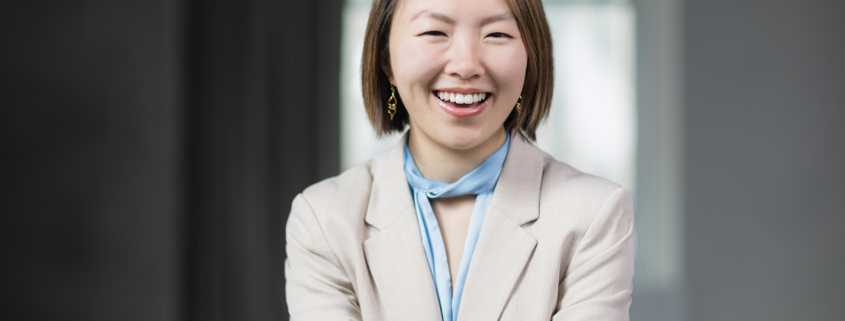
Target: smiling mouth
pixel 462 100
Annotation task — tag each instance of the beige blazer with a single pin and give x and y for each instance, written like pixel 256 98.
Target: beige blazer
pixel 556 244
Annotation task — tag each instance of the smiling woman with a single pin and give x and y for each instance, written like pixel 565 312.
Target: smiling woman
pixel 464 218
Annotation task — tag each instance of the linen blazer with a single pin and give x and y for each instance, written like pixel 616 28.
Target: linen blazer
pixel 556 244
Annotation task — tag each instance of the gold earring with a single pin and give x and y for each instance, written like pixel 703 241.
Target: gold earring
pixel 518 103
pixel 391 102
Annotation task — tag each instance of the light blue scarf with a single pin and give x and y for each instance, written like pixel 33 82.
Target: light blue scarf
pixel 482 180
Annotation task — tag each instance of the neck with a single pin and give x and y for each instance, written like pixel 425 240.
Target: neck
pixel 448 165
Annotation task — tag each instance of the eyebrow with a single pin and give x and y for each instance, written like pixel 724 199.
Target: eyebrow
pixel 433 15
pixel 498 17
pixel 446 19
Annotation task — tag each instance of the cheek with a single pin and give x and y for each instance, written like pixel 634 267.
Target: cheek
pixel 510 75
pixel 414 64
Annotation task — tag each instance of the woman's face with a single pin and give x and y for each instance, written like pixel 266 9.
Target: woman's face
pixel 459 67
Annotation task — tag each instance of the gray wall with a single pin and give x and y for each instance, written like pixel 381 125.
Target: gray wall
pixel 765 150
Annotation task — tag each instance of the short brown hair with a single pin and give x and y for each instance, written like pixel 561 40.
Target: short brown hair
pixel 539 74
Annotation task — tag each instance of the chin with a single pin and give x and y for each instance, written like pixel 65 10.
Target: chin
pixel 462 138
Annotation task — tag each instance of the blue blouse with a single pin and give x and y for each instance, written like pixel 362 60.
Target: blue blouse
pixel 481 181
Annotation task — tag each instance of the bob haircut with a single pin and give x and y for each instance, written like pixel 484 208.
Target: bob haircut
pixel 539 74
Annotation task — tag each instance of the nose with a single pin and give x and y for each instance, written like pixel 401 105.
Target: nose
pixel 464 62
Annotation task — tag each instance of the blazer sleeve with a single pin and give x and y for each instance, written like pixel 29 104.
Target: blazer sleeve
pixel 598 282
pixel 316 285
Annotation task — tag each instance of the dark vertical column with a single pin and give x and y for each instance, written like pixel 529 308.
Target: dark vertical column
pixel 263 126
pixel 219 46
pixel 303 88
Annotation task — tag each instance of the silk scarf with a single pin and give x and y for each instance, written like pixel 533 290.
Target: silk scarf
pixel 480 181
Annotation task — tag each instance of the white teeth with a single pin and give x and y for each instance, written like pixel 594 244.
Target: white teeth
pixel 461 98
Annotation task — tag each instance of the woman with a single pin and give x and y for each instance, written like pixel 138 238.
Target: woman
pixel 464 219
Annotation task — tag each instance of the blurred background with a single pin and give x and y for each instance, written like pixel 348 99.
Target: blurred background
pixel 151 149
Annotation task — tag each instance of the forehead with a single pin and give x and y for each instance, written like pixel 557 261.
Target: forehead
pixel 450 11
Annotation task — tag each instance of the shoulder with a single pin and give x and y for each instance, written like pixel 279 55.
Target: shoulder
pixel 567 189
pixel 564 194
pixel 346 194
pixel 341 204
pixel 559 177
pixel 347 185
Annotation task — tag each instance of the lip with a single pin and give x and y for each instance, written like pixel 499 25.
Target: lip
pixel 462 90
pixel 458 111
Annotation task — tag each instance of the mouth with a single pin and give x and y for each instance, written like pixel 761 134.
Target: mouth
pixel 462 104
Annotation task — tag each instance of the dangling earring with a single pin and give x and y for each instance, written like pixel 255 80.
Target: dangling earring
pixel 391 102
pixel 518 103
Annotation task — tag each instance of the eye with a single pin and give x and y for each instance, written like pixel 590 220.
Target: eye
pixel 433 33
pixel 499 35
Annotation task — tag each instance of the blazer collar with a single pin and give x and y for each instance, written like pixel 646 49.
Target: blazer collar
pixel 517 192
pixel 504 248
pixel 390 194
pixel 395 255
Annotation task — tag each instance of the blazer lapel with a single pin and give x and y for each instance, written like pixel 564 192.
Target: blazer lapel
pixel 400 271
pixel 395 255
pixel 503 247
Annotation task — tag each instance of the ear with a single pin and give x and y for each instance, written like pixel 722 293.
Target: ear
pixel 385 66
